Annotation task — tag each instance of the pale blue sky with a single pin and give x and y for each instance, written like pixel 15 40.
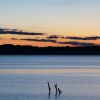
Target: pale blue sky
pixel 73 17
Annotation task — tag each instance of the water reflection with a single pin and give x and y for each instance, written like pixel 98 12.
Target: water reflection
pixel 56 96
pixel 51 71
pixel 49 96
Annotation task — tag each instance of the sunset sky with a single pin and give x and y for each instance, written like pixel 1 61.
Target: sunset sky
pixel 79 18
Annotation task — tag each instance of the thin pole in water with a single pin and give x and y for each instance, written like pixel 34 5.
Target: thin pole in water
pixel 49 87
pixel 55 85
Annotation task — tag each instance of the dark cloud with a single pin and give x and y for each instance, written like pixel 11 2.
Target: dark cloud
pixel 84 38
pixel 17 32
pixel 74 38
pixel 75 43
pixel 14 39
pixel 53 37
pixel 40 40
pixel 79 44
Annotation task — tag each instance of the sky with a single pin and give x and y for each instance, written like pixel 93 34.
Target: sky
pixel 74 17
pixel 59 17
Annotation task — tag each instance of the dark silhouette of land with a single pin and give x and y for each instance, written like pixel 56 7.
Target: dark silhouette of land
pixel 9 49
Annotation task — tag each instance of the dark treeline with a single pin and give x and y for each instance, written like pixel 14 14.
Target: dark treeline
pixel 9 49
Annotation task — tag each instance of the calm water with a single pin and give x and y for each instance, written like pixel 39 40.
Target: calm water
pixel 25 77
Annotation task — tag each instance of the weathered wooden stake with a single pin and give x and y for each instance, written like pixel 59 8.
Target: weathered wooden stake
pixel 59 91
pixel 55 85
pixel 49 87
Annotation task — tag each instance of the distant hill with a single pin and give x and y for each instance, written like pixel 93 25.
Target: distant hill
pixel 9 49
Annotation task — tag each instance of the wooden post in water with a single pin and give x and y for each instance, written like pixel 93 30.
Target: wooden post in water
pixel 49 87
pixel 59 91
pixel 55 85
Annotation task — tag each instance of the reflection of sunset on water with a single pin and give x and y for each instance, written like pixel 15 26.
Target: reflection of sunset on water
pixel 51 71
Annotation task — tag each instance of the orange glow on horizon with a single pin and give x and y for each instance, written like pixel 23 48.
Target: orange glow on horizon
pixel 32 43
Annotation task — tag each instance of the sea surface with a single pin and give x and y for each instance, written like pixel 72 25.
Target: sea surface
pixel 26 77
